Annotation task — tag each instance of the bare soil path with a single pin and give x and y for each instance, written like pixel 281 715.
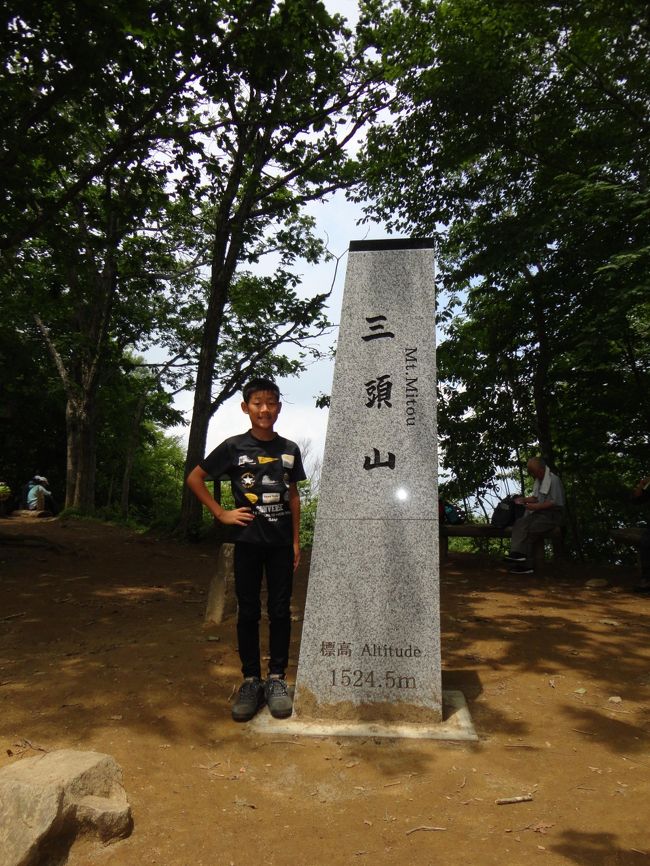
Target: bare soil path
pixel 102 647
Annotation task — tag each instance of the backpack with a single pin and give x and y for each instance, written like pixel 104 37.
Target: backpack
pixel 506 512
pixel 450 513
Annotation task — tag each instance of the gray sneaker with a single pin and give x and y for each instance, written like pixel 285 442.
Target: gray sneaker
pixel 249 699
pixel 278 697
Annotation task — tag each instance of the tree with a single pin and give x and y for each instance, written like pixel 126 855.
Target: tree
pixel 519 139
pixel 97 112
pixel 133 409
pixel 94 286
pixel 117 120
pixel 88 86
pixel 282 107
pixel 32 424
pixel 32 410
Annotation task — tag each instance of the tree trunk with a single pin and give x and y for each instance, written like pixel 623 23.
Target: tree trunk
pixel 191 509
pixel 81 461
pixel 129 459
pixel 226 249
pixel 642 391
pixel 540 372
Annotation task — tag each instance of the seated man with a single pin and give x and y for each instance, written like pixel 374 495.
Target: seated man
pixel 37 485
pixel 544 511
pixel 641 496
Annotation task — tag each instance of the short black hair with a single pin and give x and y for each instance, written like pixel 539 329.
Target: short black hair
pixel 259 384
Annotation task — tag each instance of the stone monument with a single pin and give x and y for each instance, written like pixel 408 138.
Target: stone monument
pixel 370 646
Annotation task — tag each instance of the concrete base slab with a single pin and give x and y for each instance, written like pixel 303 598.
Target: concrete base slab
pixel 456 725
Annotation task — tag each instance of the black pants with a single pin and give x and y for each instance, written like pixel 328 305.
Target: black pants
pixel 250 561
pixel 531 527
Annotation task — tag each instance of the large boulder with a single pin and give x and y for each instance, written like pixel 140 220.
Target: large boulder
pixel 48 801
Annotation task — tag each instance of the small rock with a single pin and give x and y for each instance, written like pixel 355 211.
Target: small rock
pixel 580 692
pixel 596 583
pixel 615 700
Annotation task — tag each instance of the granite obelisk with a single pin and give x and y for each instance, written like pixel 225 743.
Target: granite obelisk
pixel 370 647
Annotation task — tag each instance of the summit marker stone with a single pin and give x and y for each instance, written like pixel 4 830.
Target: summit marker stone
pixel 370 649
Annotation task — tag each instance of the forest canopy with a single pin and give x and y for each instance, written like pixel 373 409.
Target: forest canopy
pixel 153 154
pixel 518 137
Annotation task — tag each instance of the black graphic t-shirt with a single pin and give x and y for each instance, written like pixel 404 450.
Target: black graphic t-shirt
pixel 260 473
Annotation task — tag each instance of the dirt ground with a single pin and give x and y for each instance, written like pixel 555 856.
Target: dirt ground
pixel 102 646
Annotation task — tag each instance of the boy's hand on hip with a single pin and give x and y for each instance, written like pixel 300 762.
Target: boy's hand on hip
pixel 237 517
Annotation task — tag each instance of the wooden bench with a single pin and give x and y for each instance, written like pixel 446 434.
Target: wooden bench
pixel 628 535
pixel 486 530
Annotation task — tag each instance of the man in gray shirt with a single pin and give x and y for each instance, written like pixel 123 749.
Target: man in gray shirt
pixel 544 511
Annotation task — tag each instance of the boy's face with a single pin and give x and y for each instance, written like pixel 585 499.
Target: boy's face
pixel 263 408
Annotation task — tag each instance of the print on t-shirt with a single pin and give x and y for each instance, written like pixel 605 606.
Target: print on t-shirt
pixel 260 473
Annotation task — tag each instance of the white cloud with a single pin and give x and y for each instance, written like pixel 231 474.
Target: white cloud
pixel 347 8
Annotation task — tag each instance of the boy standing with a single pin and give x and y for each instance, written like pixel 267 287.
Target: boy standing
pixel 264 469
